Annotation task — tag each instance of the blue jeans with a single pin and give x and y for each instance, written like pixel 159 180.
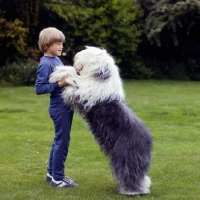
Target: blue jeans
pixel 62 118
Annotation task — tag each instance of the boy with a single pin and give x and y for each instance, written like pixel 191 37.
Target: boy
pixel 51 44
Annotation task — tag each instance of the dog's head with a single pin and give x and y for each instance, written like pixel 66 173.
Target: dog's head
pixel 94 62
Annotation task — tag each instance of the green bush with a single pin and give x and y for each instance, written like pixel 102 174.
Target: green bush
pixel 168 69
pixel 140 71
pixel 19 73
pixel 193 69
pixel 112 25
pixel 188 69
pixel 134 68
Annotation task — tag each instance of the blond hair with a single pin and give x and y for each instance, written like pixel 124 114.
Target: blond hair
pixel 49 36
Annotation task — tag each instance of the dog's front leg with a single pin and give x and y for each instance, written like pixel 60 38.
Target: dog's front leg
pixel 73 81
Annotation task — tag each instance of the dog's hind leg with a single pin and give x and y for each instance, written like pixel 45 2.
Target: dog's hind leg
pixel 144 188
pixel 130 162
pixel 131 181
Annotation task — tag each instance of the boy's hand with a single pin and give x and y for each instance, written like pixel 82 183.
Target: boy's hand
pixel 63 82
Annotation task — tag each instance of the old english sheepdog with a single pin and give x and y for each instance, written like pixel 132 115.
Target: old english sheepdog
pixel 97 95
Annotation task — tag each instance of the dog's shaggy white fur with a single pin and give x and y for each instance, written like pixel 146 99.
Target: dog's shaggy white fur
pixel 97 94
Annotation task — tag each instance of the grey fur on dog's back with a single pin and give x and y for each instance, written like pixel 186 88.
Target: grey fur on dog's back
pixel 124 138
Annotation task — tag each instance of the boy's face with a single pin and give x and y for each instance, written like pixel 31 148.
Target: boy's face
pixel 55 49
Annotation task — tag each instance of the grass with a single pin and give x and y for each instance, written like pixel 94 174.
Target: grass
pixel 171 109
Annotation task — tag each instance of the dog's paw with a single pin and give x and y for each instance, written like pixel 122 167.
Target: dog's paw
pixel 58 74
pixel 132 193
pixel 72 82
pixel 62 71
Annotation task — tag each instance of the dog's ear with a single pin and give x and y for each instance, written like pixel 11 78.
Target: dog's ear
pixel 102 74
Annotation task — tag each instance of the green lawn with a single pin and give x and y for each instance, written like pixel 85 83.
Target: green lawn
pixel 171 109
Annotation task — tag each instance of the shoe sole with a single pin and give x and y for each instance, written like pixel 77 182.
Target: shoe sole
pixel 63 186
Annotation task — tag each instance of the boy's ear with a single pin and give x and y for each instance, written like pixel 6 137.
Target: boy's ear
pixel 46 47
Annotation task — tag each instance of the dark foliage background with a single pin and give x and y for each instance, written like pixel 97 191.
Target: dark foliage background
pixel 148 38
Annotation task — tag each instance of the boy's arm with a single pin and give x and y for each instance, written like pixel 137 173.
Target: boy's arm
pixel 42 86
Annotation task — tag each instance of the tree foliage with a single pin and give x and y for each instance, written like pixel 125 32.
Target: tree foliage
pixel 170 40
pixel 12 39
pixel 13 34
pixel 156 30
pixel 18 21
pixel 108 24
pixel 25 11
pixel 171 22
